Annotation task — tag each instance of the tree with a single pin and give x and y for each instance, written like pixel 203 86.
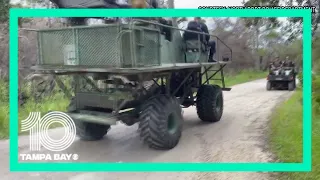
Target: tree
pixel 236 36
pixel 294 27
pixel 170 5
pixel 258 23
pixel 4 10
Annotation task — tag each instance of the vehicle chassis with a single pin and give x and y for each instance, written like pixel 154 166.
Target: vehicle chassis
pixel 151 96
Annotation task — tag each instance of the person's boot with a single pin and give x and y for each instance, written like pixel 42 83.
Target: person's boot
pixel 211 59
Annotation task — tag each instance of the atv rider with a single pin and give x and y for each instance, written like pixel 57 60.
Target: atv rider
pixel 276 64
pixel 288 63
pixel 198 25
pixel 165 30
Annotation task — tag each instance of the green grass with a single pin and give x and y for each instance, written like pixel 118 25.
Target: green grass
pixel 286 130
pixel 286 137
pixel 54 103
pixel 243 76
pixel 59 103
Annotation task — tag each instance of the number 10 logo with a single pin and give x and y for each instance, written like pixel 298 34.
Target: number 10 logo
pixel 39 130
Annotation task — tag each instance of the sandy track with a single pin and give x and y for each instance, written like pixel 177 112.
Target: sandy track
pixel 238 137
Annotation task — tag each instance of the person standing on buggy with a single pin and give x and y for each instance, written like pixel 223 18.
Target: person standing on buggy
pixel 198 25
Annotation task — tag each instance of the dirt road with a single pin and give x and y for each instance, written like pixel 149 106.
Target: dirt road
pixel 238 137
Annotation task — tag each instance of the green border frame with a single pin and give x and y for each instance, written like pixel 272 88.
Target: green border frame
pixel 170 166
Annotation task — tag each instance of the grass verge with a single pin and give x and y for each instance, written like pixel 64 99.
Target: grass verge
pixel 242 77
pixel 286 137
pixel 59 103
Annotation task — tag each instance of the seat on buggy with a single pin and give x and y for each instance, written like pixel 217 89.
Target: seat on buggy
pixel 195 51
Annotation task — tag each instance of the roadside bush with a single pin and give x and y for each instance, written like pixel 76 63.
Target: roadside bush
pixel 315 91
pixel 4 91
pixel 300 78
pixel 316 94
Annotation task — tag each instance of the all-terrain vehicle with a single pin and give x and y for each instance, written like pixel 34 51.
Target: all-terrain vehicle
pixel 132 73
pixel 282 77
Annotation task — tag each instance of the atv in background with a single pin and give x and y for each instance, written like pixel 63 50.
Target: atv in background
pixel 282 77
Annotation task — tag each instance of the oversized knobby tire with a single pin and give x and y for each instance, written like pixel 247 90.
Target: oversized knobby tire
pixel 209 103
pixel 161 122
pixel 291 85
pixel 269 86
pixel 88 131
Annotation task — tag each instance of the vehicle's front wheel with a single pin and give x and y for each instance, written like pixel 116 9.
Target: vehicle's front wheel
pixel 161 122
pixel 209 103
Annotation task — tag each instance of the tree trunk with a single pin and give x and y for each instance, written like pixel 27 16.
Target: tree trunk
pixel 48 6
pixel 258 65
pixel 171 6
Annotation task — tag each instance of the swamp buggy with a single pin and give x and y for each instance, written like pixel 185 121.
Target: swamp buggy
pixel 283 77
pixel 131 73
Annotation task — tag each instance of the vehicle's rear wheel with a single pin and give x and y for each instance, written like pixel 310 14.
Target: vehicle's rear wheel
pixel 269 86
pixel 161 122
pixel 88 131
pixel 209 103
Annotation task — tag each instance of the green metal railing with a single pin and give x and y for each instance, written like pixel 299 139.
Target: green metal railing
pixel 133 45
pixel 104 46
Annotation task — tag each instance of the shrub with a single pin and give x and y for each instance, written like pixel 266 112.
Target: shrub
pixel 316 94
pixel 300 78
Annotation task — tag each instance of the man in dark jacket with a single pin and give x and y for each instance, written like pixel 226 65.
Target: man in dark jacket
pixel 197 25
pixel 165 30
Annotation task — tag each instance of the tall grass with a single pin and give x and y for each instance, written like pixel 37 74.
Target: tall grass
pixel 56 102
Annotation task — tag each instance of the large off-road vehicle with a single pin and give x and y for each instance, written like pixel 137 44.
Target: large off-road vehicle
pixel 282 77
pixel 132 73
